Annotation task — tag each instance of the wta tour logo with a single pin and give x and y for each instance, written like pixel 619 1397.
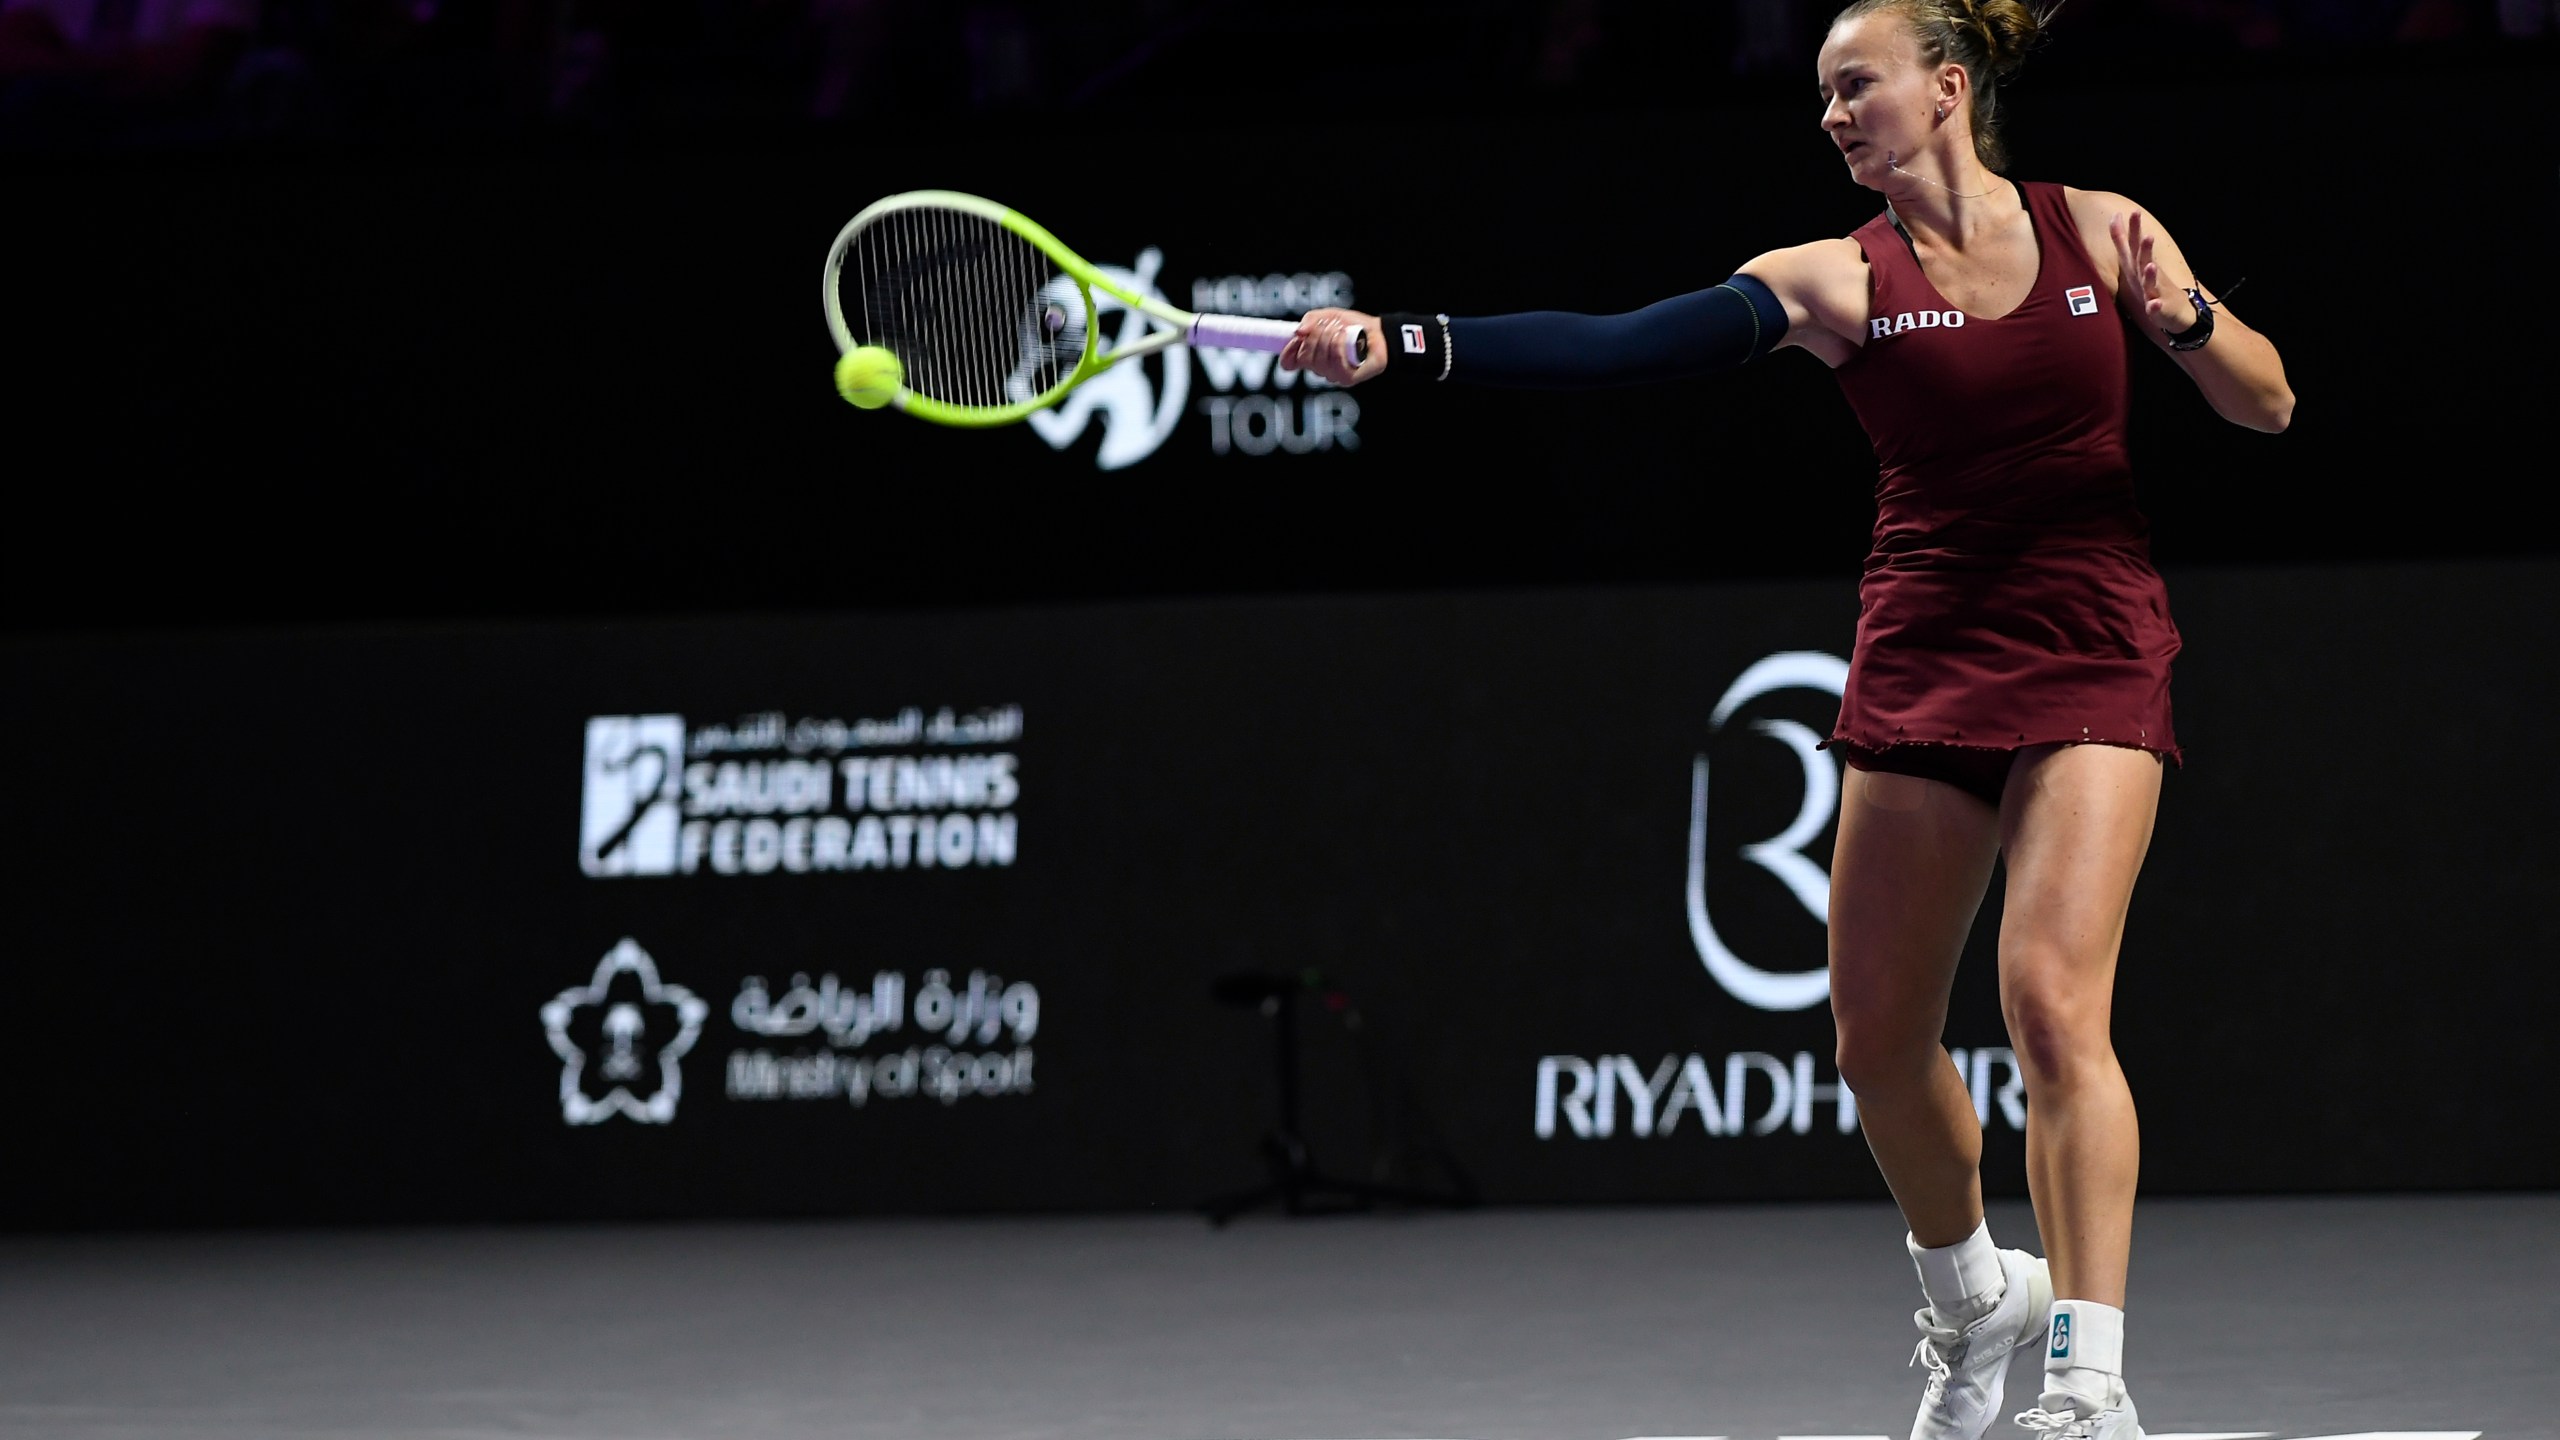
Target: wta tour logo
pixel 1782 854
pixel 1254 407
pixel 1137 412
pixel 619 1037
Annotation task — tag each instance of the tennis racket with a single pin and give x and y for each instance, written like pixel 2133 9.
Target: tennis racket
pixel 989 316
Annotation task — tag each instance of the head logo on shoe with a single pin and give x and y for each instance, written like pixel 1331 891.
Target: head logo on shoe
pixel 2061 1337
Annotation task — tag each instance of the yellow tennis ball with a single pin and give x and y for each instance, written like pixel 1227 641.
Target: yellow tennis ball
pixel 868 375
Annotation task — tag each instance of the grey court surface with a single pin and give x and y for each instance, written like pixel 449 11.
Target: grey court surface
pixel 2288 1317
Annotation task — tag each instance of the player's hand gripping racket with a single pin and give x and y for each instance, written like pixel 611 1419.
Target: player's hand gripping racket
pixel 959 311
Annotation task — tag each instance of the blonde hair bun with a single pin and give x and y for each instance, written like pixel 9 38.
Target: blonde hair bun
pixel 2008 29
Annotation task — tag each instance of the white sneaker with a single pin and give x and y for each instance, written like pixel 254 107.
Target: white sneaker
pixel 1968 1367
pixel 2067 1423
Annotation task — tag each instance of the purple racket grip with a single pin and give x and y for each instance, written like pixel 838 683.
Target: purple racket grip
pixel 1246 332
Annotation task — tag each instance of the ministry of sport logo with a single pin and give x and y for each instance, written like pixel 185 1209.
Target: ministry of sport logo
pixel 619 1038
pixel 1253 406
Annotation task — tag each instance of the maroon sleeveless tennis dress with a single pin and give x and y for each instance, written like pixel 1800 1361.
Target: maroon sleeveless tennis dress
pixel 2009 599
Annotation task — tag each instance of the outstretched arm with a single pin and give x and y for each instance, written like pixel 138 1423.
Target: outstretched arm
pixel 1808 296
pixel 2237 368
pixel 1698 333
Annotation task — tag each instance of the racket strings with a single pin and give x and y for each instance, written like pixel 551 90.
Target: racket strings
pixel 977 315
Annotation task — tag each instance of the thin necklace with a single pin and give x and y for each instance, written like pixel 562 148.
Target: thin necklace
pixel 1925 180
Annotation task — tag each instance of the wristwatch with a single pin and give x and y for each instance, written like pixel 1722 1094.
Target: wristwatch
pixel 2194 336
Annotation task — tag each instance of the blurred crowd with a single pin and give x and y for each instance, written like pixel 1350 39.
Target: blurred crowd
pixel 104 70
pixel 75 72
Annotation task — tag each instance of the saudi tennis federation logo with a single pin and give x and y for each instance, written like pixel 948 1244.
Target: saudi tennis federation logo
pixel 1782 854
pixel 627 821
pixel 1137 415
pixel 619 1038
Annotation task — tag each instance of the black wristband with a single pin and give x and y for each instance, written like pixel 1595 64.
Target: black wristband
pixel 2194 336
pixel 1417 346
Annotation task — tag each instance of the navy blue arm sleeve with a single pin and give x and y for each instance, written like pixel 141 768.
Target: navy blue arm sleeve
pixel 1695 334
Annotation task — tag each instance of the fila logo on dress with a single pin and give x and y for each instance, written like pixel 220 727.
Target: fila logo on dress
pixel 2083 300
pixel 1884 326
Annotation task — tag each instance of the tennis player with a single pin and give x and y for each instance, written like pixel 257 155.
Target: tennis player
pixel 2009 692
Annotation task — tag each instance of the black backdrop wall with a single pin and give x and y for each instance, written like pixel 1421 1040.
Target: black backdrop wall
pixel 864 914
pixel 1418 692
pixel 592 380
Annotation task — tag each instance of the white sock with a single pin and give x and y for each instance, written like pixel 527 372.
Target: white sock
pixel 2084 1355
pixel 1963 1281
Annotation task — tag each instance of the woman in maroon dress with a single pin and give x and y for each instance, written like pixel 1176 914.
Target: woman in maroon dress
pixel 2009 693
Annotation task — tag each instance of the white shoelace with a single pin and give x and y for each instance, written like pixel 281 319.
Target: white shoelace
pixel 1937 1349
pixel 2069 1425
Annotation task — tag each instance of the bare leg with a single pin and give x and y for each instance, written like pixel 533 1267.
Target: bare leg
pixel 2076 822
pixel 1908 871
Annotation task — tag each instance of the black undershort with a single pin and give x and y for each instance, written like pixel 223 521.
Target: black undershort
pixel 1979 772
